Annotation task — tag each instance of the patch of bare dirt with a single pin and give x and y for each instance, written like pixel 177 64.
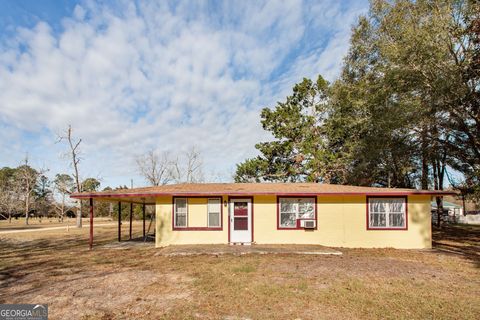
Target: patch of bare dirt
pixel 105 294
pixel 358 266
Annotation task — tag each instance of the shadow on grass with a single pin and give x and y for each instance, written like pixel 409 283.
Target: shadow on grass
pixel 29 227
pixel 45 257
pixel 463 240
pixel 60 256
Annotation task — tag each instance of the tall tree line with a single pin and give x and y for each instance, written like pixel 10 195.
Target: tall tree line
pixel 404 109
pixel 27 191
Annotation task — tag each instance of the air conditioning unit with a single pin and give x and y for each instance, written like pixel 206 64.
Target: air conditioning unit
pixel 308 224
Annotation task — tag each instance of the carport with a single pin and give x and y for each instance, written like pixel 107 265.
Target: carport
pixel 130 196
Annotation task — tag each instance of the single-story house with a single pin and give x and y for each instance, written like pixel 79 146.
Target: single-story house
pixel 284 213
pixel 452 209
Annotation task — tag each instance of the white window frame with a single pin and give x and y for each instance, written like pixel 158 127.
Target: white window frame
pixel 371 200
pixel 176 212
pixel 219 213
pixel 296 206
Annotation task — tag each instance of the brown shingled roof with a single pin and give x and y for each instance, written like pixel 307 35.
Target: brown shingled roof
pixel 208 189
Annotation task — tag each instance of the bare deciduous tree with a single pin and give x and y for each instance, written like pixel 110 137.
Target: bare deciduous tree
pixel 74 151
pixel 63 185
pixel 160 168
pixel 155 168
pixel 189 169
pixel 26 179
pixel 8 192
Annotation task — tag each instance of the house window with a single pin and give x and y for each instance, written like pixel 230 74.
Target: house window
pixel 291 210
pixel 387 213
pixel 181 212
pixel 214 209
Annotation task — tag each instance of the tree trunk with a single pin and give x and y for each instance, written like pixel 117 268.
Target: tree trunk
pixel 62 212
pixel 435 186
pixel 79 214
pixel 424 180
pixel 27 208
pixel 439 176
pixel 439 210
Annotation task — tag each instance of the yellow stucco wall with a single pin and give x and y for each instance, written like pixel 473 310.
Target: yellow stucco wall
pixel 197 217
pixel 341 223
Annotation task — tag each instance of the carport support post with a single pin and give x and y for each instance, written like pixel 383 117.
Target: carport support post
pixel 119 221
pixel 143 211
pixel 91 224
pixel 131 215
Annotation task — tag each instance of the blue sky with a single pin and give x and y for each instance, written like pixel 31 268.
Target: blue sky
pixel 133 76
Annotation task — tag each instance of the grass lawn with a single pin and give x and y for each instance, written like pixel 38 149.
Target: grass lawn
pixel 136 282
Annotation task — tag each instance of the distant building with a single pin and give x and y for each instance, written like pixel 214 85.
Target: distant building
pixel 451 211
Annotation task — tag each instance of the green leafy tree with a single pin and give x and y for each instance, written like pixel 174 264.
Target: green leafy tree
pixel 405 108
pixel 90 184
pixel 43 196
pixel 296 126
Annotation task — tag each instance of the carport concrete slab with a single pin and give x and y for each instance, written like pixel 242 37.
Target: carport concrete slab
pixel 224 249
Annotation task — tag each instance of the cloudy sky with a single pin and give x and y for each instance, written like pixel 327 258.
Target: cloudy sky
pixel 132 76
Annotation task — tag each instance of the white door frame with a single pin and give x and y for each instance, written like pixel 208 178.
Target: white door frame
pixel 241 236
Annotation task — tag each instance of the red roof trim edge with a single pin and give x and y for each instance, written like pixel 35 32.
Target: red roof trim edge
pixel 188 194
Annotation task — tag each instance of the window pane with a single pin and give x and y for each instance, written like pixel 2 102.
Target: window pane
pixel 287 205
pixel 387 212
pixel 213 205
pixel 240 205
pixel 181 205
pixel 396 205
pixel 240 223
pixel 396 220
pixel 378 220
pixel 214 219
pixel 377 205
pixel 306 208
pixel 292 209
pixel 181 220
pixel 240 209
pixel 288 219
pixel 181 212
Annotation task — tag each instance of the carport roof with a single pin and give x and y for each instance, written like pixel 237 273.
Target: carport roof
pixel 148 194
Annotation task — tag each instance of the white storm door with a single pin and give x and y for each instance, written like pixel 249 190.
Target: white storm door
pixel 241 220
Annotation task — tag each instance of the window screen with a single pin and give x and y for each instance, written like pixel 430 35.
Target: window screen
pixel 214 212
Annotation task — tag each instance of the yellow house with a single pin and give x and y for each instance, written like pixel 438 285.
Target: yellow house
pixel 284 213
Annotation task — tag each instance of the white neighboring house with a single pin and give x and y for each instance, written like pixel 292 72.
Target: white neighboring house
pixel 451 212
pixel 454 213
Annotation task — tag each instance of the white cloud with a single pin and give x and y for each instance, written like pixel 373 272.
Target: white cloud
pixel 152 75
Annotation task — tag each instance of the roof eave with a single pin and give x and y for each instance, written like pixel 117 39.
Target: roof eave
pixel 236 193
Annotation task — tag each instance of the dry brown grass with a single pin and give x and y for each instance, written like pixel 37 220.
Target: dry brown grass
pixel 133 282
pixel 36 223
